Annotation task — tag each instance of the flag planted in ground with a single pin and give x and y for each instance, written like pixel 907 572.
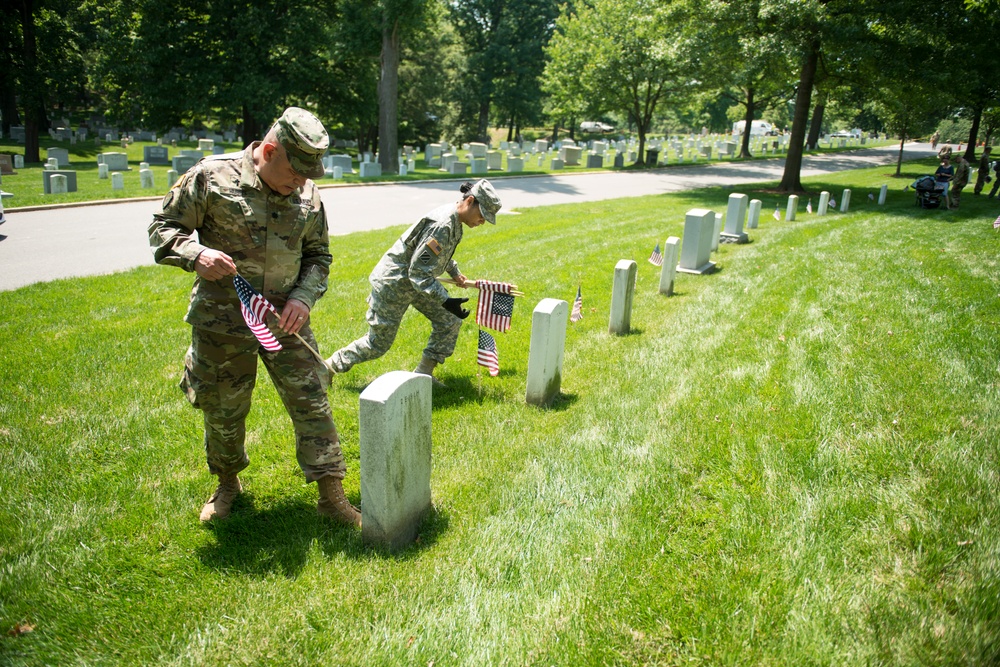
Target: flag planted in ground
pixel 487 355
pixel 496 305
pixel 577 313
pixel 996 223
pixel 255 309
pixel 809 206
pixel 833 203
pixel 871 197
pixel 656 259
pixel 776 215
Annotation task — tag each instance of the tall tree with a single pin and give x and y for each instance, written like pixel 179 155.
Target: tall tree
pixel 631 55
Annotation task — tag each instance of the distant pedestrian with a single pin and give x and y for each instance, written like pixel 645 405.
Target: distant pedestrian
pixel 983 175
pixel 996 179
pixel 960 180
pixel 935 138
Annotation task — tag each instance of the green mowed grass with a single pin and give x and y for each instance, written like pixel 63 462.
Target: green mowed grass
pixel 791 461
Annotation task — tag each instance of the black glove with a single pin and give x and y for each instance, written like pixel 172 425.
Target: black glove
pixel 454 306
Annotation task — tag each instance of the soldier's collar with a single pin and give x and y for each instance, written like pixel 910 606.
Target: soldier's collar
pixel 248 172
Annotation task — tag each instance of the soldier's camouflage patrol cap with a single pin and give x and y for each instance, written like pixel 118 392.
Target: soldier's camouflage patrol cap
pixel 489 202
pixel 305 140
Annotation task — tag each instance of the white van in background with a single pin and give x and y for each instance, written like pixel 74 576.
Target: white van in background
pixel 757 127
pixel 594 126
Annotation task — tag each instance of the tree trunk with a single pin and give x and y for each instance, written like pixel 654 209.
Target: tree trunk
pixel 32 96
pixel 510 129
pixel 482 128
pixel 251 126
pixel 388 100
pixel 970 150
pixel 747 126
pixel 899 161
pixel 791 180
pixel 816 125
pixel 555 133
pixel 572 128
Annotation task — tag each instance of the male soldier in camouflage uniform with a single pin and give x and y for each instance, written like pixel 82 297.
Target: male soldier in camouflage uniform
pixel 256 213
pixel 960 180
pixel 407 275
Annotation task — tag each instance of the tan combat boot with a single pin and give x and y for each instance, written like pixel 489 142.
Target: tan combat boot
pixel 334 504
pixel 221 502
pixel 426 367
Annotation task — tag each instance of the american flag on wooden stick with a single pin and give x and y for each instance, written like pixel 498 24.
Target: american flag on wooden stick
pixel 996 223
pixel 496 305
pixel 577 313
pixel 809 206
pixel 776 215
pixel 833 203
pixel 656 259
pixel 487 354
pixel 255 309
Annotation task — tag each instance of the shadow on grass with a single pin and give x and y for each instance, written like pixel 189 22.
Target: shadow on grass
pixel 278 540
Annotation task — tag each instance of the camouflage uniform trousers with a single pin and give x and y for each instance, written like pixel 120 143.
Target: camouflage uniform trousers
pixel 386 306
pixel 955 194
pixel 220 372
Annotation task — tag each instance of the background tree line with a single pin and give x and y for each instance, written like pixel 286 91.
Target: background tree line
pixel 386 72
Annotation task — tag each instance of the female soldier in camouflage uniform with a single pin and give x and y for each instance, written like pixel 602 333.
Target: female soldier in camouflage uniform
pixel 407 275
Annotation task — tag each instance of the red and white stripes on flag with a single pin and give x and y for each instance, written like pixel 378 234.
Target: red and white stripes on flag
pixel 656 259
pixel 496 305
pixel 577 313
pixel 996 223
pixel 255 309
pixel 809 206
pixel 776 215
pixel 487 354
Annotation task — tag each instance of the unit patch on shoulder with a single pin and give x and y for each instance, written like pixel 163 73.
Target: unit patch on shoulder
pixel 167 199
pixel 434 246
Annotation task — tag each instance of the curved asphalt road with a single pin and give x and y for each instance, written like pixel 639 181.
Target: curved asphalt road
pixel 81 240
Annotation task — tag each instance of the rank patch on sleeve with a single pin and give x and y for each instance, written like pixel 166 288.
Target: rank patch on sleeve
pixel 434 246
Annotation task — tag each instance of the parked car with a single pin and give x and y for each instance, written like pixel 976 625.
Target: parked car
pixel 595 126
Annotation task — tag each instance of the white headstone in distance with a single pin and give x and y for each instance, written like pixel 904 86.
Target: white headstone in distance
pixel 338 172
pixel 696 246
pixel 736 215
pixel 116 161
pixel 370 169
pixel 146 178
pixel 573 155
pixel 205 144
pixel 882 194
pixel 622 291
pixel 541 145
pixel 845 201
pixel 58 184
pixel 102 170
pixel 411 165
pixel 668 272
pixel 545 355
pixel 171 177
pixel 60 155
pixel 515 164
pixel 143 165
pixel 342 161
pixel 792 208
pixel 447 160
pixel 478 165
pixel 494 160
pixel 18 161
pixel 117 181
pixel 458 167
pixel 824 202
pixel 478 150
pixel 52 163
pixel 753 215
pixel 717 232
pixel 556 164
pixel 394 426
pixel 402 169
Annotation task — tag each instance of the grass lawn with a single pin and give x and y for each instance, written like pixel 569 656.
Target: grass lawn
pixel 792 461
pixel 26 184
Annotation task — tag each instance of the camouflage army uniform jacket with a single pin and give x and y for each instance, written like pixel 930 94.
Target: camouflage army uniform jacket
pixel 280 244
pixel 421 254
pixel 961 178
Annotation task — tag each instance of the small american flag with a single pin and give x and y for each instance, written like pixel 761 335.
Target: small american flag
pixel 809 206
pixel 487 355
pixel 255 309
pixel 776 215
pixel 656 259
pixel 996 223
pixel 577 313
pixel 871 197
pixel 496 305
pixel 833 203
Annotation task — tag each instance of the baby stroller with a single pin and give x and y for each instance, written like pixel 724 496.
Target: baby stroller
pixel 929 192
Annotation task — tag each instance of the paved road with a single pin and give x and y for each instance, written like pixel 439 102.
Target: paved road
pixel 44 245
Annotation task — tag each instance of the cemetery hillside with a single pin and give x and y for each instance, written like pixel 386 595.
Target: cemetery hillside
pixel 790 460
pixel 726 385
